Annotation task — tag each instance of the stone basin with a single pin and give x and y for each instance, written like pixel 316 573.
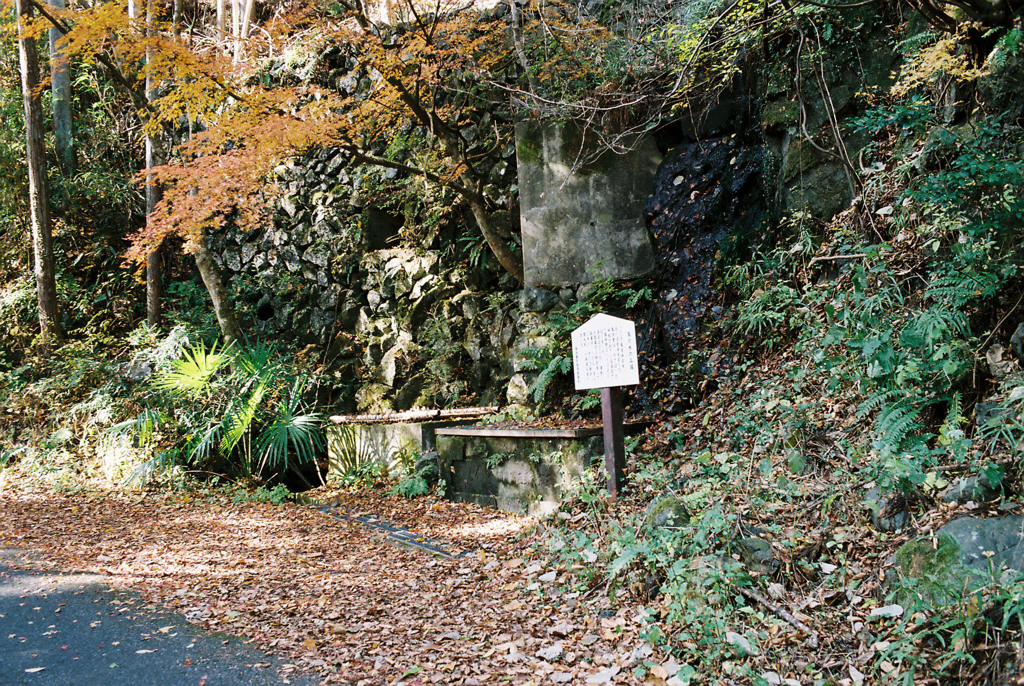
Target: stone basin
pixel 522 470
pixel 393 440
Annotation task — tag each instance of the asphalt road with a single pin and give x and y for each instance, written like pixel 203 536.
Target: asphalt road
pixel 74 630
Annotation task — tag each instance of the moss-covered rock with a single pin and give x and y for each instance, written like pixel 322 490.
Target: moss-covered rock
pixel 667 512
pixel 964 554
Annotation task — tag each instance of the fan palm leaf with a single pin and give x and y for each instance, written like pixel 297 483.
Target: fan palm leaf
pixel 191 375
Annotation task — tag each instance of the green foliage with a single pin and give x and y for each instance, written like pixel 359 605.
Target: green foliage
pixel 553 359
pixel 951 625
pixel 191 376
pixel 446 360
pixel 189 308
pixel 1003 429
pixel 412 486
pixel 898 340
pixel 351 454
pixel 143 427
pixel 686 567
pixel 241 410
pixel 278 495
pixel 558 365
pixel 363 474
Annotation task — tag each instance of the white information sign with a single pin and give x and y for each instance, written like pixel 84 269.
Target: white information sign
pixel 604 353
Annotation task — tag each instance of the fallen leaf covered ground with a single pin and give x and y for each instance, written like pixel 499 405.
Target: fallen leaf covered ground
pixel 336 597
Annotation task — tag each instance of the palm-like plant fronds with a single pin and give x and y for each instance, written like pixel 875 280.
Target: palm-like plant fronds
pixel 148 470
pixel 203 447
pixel 257 359
pixel 142 427
pixel 350 449
pixel 243 404
pixel 291 431
pixel 191 375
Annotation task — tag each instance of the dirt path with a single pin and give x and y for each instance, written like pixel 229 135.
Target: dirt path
pixel 332 596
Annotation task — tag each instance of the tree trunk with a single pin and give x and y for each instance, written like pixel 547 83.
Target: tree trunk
pixel 154 284
pixel 154 263
pixel 175 18
pixel 250 5
pixel 60 79
pixel 222 305
pixel 39 210
pixel 508 259
pixel 222 24
pixel 241 25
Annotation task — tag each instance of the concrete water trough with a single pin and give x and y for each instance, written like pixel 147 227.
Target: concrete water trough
pixel 516 469
pixel 392 439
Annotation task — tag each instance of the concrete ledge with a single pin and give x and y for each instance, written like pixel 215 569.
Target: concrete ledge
pixel 517 433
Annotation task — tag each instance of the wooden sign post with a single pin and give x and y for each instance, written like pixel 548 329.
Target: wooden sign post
pixel 604 356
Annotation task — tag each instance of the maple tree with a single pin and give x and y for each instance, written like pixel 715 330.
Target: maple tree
pixel 436 71
pixel 252 128
pixel 114 34
pixel 245 129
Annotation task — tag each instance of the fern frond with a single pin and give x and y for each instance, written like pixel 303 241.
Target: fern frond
pixel 877 399
pixel 624 560
pixel 559 364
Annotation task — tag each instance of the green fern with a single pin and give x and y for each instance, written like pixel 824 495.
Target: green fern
pixel 896 421
pixel 558 365
pixel 878 399
pixel 629 554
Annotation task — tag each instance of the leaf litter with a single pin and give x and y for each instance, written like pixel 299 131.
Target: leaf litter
pixel 334 597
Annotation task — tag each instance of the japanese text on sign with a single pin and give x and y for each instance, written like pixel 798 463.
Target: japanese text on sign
pixel 604 353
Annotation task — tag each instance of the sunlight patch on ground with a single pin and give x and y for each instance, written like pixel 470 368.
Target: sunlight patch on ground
pixel 495 527
pixel 52 584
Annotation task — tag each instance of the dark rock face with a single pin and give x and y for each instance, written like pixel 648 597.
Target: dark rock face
pixel 704 192
pixel 708 196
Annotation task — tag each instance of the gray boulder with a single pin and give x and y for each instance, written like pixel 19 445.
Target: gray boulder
pixel 667 512
pixel 518 392
pixel 757 555
pixel 971 489
pixel 988 412
pixel 967 553
pixel 888 512
pixel 537 299
pixel 1017 341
